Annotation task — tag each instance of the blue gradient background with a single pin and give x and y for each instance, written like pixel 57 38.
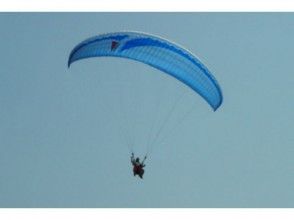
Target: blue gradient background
pixel 61 138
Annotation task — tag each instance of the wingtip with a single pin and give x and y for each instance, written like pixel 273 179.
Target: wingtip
pixel 217 107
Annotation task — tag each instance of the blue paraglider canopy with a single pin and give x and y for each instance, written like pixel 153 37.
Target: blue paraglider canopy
pixel 156 52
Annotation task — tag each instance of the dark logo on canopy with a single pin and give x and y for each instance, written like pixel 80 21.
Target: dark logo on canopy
pixel 114 45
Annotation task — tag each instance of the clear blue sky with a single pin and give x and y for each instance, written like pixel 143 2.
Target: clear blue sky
pixel 64 132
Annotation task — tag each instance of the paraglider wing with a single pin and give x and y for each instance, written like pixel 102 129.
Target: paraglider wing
pixel 156 52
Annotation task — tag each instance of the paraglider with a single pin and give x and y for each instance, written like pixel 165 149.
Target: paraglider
pixel 159 53
pixel 156 52
pixel 138 166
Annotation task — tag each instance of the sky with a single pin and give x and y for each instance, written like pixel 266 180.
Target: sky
pixel 66 134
